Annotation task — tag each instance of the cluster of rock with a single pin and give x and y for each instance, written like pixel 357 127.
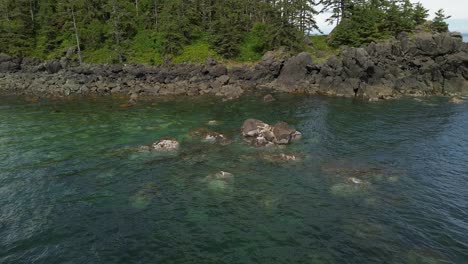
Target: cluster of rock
pixel 259 133
pixel 419 64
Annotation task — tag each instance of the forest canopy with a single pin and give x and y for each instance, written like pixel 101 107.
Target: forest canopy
pixel 152 31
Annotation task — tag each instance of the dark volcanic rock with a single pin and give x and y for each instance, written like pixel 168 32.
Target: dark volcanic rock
pixel 418 65
pixel 294 71
pixel 259 133
pixel 283 133
pixel 53 66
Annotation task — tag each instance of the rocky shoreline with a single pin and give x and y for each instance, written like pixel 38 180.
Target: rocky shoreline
pixel 422 64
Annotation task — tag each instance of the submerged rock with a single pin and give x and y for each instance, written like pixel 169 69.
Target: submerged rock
pixel 218 138
pixel 144 196
pixel 213 123
pixel 223 175
pixel 219 181
pixel 359 175
pixel 166 145
pixel 209 136
pixel 350 188
pixel 281 157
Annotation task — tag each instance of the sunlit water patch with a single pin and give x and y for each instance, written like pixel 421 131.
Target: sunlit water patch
pixel 368 183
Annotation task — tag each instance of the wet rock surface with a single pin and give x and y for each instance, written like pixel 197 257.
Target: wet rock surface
pixel 165 145
pixel 259 133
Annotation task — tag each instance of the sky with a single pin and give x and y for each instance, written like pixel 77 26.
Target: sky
pixel 458 9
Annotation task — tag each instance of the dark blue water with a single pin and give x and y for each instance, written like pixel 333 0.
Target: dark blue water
pixel 74 188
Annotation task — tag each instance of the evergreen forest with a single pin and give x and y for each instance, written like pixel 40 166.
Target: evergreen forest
pixel 159 31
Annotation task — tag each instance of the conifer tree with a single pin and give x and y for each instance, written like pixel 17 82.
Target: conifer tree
pixel 420 14
pixel 438 23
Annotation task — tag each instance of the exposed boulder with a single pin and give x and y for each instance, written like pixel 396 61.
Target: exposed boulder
pixel 283 133
pixel 166 145
pixel 4 57
pixel 53 66
pixel 254 127
pixel 294 71
pixel 457 100
pixel 9 66
pixel 259 133
pixel 270 66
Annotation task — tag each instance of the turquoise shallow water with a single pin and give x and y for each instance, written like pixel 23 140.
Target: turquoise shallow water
pixel 74 189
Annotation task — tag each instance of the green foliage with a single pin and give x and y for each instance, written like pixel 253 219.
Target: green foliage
pixel 373 20
pixel 363 26
pixel 420 14
pixel 320 50
pixel 283 34
pixel 150 31
pixel 102 55
pixel 254 44
pixel 229 29
pixel 438 23
pixel 198 52
pixel 145 48
pixel 175 27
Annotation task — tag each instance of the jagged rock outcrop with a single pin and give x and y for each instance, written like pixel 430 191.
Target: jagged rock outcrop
pixel 259 133
pixel 418 65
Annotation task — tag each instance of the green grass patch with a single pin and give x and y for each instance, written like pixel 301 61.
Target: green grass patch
pixel 320 50
pixel 197 52
pixel 102 55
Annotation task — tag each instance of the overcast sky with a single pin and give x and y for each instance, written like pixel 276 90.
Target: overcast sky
pixel 458 9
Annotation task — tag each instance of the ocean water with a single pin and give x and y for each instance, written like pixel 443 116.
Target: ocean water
pixel 465 37
pixel 374 183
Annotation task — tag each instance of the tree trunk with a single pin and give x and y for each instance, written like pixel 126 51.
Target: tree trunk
pixel 155 2
pixel 136 8
pixel 76 36
pixel 31 11
pixel 343 9
pixel 116 30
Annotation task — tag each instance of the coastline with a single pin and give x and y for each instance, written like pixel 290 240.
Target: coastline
pixel 423 64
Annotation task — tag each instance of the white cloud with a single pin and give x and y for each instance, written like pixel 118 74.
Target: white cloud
pixel 454 8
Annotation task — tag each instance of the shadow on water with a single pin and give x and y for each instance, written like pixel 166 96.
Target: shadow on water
pixel 369 182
